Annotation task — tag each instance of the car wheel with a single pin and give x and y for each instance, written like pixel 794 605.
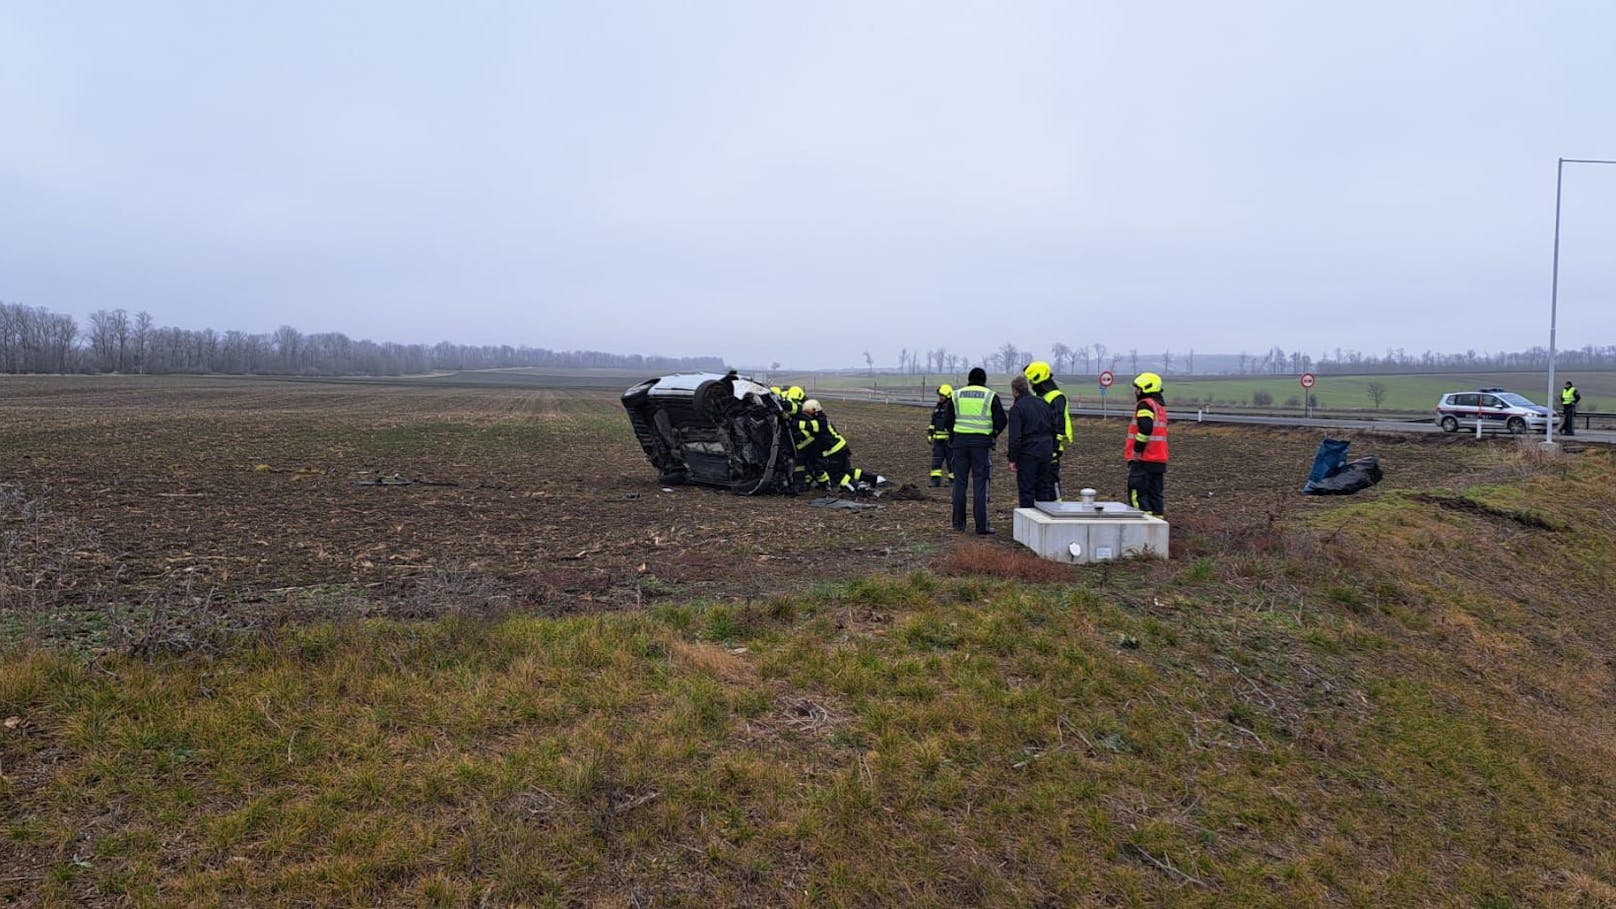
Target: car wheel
pixel 1449 423
pixel 702 397
pixel 1517 426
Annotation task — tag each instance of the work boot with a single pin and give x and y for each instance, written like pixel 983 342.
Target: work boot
pixel 936 481
pixel 881 481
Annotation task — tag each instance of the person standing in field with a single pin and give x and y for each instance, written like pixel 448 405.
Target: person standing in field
pixel 1569 398
pixel 1042 380
pixel 1032 444
pixel 937 434
pixel 1146 446
pixel 975 419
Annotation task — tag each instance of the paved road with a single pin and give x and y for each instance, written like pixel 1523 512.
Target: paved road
pixel 1604 436
pixel 1601 436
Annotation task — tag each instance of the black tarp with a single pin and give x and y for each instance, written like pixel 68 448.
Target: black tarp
pixel 1334 475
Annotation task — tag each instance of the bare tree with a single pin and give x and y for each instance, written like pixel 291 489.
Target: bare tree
pixel 289 345
pixel 1167 361
pixel 869 362
pixel 143 334
pixel 1133 360
pixel 1376 392
pixel 1189 362
pixel 1059 352
pixel 1010 357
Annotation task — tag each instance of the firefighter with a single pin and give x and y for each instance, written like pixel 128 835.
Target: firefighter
pixel 792 399
pixel 1042 380
pixel 1569 398
pixel 1146 446
pixel 937 434
pixel 975 419
pixel 832 456
pixel 1032 443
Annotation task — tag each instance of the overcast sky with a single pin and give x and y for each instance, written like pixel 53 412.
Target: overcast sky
pixel 803 182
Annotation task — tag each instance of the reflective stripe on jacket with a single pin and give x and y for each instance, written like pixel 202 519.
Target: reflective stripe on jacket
pixel 973 410
pixel 1153 448
pixel 1056 399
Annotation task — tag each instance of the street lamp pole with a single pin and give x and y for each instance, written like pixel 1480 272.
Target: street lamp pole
pixel 1554 286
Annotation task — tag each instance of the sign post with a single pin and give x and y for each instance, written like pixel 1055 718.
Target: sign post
pixel 1307 381
pixel 1106 378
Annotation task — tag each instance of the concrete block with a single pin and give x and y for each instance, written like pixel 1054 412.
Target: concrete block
pixel 1080 538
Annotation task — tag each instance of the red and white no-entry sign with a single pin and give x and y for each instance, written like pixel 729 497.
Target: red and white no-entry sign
pixel 1106 378
pixel 1308 380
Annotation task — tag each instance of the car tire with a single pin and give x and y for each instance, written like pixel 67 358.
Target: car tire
pixel 702 397
pixel 1449 423
pixel 1517 426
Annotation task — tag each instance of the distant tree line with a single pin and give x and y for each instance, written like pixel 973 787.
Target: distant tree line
pixel 1397 360
pixel 1081 359
pixel 33 339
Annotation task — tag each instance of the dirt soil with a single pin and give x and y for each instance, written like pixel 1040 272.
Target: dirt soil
pixel 116 489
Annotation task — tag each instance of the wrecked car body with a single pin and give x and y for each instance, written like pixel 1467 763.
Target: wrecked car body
pixel 716 430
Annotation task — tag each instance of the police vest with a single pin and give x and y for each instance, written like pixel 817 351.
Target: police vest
pixel 1568 396
pixel 1155 448
pixel 1063 417
pixel 973 410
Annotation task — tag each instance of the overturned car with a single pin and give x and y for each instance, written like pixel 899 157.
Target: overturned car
pixel 716 430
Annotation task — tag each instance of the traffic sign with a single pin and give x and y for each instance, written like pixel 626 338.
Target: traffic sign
pixel 1307 380
pixel 1106 378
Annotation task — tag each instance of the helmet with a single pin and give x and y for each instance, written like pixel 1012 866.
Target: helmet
pixel 945 389
pixel 1148 383
pixel 795 393
pixel 1037 371
pixel 776 389
pixel 811 406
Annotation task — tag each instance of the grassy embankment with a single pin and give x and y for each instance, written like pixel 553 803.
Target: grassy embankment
pixel 1400 702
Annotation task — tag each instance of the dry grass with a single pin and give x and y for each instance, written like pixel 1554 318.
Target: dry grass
pixel 1348 705
pixel 1002 561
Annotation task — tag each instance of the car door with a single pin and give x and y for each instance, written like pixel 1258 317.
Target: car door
pixel 1463 406
pixel 1490 408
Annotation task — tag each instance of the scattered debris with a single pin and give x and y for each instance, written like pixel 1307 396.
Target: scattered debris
pixel 1333 476
pixel 398 479
pixel 848 504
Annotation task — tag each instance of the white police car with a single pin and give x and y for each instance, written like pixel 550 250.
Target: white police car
pixel 1495 408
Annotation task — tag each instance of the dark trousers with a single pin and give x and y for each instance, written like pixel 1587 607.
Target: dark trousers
pixel 838 466
pixel 971 466
pixel 1569 427
pixel 940 460
pixel 1034 481
pixel 1146 482
pixel 1052 491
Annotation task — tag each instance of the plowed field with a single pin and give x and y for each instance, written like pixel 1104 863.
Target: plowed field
pixel 116 490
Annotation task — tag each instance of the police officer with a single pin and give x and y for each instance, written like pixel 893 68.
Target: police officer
pixel 1146 446
pixel 1569 398
pixel 1032 443
pixel 1042 380
pixel 975 419
pixel 937 435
